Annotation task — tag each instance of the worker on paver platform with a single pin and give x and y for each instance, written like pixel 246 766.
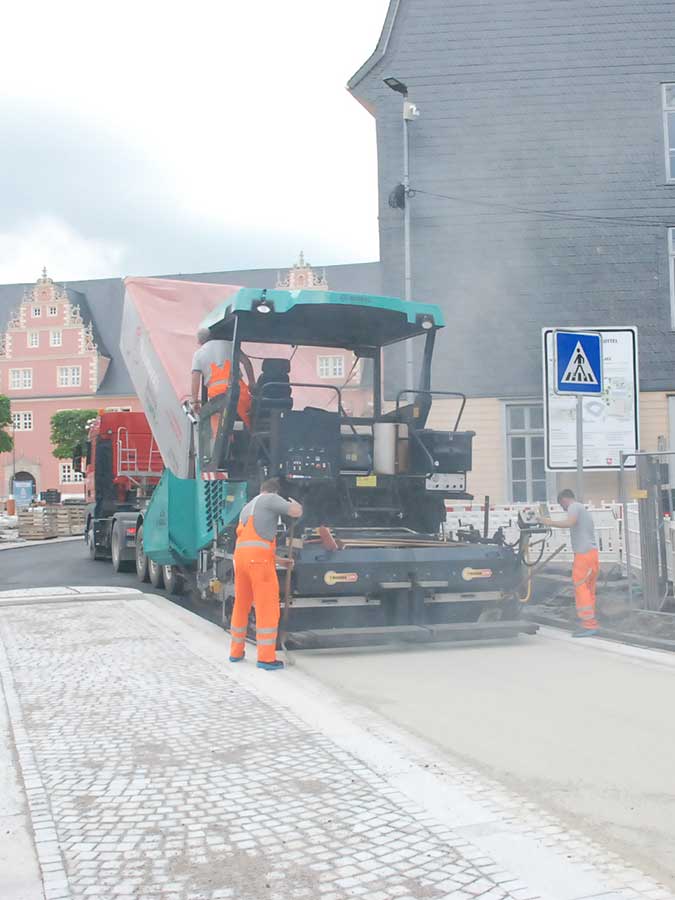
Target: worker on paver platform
pixel 255 575
pixel 211 366
pixel 586 559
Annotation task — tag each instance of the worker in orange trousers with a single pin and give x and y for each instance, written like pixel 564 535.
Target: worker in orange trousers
pixel 255 573
pixel 586 566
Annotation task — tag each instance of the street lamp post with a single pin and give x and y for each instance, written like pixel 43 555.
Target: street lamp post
pixel 410 112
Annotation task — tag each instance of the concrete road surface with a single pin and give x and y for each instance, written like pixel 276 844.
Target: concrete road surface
pixel 584 728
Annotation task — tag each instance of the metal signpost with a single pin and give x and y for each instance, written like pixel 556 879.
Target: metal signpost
pixel 578 371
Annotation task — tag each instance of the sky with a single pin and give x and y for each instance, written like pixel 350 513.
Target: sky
pixel 144 138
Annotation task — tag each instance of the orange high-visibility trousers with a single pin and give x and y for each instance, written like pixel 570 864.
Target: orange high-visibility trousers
pixel 585 576
pixel 255 583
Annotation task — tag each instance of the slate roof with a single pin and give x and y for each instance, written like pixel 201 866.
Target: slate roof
pixel 101 300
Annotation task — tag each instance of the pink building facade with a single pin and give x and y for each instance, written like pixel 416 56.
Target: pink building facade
pixel 49 361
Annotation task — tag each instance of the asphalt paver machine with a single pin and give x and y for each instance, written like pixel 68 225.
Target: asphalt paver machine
pixel 371 563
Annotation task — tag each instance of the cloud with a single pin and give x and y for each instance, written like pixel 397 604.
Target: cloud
pixel 192 143
pixel 47 240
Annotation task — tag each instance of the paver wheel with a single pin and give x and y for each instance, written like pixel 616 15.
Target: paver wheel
pixel 142 569
pixel 119 564
pixel 173 581
pixel 156 573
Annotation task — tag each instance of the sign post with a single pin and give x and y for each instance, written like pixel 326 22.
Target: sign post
pixel 578 371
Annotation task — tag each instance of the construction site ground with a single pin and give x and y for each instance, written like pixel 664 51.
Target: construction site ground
pixel 619 616
pixel 139 763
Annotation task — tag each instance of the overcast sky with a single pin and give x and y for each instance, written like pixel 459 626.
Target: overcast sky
pixel 155 138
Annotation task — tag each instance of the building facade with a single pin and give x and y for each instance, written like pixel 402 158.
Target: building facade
pixel 542 168
pixel 50 360
pixel 59 350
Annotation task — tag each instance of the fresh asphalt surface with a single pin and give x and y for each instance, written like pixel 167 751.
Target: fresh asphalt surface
pixel 51 565
pixel 582 728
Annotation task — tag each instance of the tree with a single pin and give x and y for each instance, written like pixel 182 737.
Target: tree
pixel 69 430
pixel 6 441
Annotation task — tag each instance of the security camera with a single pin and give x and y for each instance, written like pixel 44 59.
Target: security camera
pixel 410 111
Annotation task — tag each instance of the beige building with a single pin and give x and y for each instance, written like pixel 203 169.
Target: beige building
pixel 508 459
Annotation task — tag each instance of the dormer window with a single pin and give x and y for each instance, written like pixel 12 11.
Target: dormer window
pixel 36 312
pixel 53 311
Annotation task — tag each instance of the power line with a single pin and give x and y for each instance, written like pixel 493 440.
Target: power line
pixel 548 213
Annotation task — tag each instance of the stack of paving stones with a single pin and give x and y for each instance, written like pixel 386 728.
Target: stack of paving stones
pixel 70 520
pixel 38 523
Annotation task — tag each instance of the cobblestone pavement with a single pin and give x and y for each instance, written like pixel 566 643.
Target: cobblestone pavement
pixel 151 772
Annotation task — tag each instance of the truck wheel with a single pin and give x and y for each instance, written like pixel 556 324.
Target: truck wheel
pixel 118 564
pixel 94 552
pixel 172 580
pixel 142 572
pixel 156 573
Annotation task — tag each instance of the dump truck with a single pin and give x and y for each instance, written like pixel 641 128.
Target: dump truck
pixel 122 465
pixel 371 564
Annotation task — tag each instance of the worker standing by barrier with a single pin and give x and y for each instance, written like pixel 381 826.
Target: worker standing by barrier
pixel 255 575
pixel 211 367
pixel 586 558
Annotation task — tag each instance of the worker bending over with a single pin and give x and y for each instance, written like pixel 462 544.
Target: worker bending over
pixel 586 559
pixel 255 574
pixel 212 366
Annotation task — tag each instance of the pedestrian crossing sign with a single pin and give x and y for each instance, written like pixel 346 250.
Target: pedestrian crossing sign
pixel 578 362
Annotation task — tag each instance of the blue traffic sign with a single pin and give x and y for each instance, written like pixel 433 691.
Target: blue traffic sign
pixel 578 362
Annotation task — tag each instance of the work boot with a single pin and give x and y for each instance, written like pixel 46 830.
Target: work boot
pixel 237 658
pixel 270 666
pixel 584 632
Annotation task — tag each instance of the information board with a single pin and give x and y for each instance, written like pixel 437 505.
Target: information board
pixel 610 419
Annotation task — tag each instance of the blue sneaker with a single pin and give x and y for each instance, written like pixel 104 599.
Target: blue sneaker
pixel 270 666
pixel 584 632
pixel 237 658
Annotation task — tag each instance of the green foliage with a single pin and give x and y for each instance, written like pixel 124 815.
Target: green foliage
pixel 69 429
pixel 5 420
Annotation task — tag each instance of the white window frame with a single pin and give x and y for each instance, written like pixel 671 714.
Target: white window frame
pixel 527 433
pixel 23 375
pixel 330 362
pixel 68 382
pixel 52 311
pixel 36 312
pixel 22 420
pixel 666 109
pixel 68 476
pixel 30 343
pixel 56 332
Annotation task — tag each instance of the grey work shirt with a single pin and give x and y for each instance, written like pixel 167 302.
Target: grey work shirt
pixel 583 533
pixel 266 509
pixel 212 352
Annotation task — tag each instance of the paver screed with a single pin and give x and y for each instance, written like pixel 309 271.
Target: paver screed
pixel 151 773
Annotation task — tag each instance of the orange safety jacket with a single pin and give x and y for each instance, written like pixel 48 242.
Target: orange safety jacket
pixel 220 382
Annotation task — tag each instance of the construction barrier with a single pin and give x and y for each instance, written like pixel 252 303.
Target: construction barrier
pixel 607 520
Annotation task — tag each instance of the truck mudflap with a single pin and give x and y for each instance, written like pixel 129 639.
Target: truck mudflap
pixel 334 638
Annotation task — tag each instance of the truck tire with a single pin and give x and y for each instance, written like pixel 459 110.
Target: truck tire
pixel 118 564
pixel 156 573
pixel 142 572
pixel 173 583
pixel 94 552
